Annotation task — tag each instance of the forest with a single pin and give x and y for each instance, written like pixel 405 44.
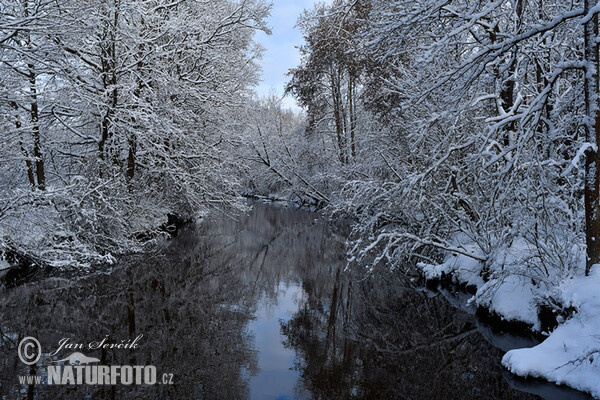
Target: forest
pixel 460 137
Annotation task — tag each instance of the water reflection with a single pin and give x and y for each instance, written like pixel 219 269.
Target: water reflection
pixel 256 308
pixel 276 379
pixel 363 339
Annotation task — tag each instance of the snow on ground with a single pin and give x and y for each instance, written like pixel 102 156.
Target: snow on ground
pixel 513 298
pixel 509 293
pixel 571 354
pixel 75 227
pixel 461 269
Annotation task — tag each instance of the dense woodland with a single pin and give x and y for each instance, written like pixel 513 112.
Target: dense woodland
pixel 116 113
pixel 459 136
pixel 460 126
pixel 469 127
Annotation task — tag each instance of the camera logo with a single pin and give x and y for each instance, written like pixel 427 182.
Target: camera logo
pixel 30 350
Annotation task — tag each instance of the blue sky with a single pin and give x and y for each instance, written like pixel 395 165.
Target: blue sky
pixel 281 53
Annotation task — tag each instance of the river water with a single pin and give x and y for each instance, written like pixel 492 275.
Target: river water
pixel 261 307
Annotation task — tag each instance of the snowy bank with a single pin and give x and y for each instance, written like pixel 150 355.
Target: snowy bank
pixel 513 291
pixel 571 354
pixel 508 292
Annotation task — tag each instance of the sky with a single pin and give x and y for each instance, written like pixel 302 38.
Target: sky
pixel 281 53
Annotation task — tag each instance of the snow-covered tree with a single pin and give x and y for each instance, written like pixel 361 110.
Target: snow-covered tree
pixel 124 111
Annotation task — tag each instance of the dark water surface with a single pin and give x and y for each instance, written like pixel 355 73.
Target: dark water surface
pixel 261 308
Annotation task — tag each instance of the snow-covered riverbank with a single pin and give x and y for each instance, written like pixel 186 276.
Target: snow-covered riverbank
pixel 570 355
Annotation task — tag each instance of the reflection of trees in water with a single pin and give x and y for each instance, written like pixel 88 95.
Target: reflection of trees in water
pixel 192 303
pixel 354 337
pixel 182 305
pixel 359 338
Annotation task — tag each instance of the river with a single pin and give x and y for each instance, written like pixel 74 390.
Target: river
pixel 262 307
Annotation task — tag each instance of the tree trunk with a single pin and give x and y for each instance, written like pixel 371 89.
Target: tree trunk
pixel 337 114
pixel 507 95
pixel 35 118
pixel 507 92
pixel 131 158
pixel 109 81
pixel 352 111
pixel 137 94
pixel 592 130
pixel 29 166
pixel 28 163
